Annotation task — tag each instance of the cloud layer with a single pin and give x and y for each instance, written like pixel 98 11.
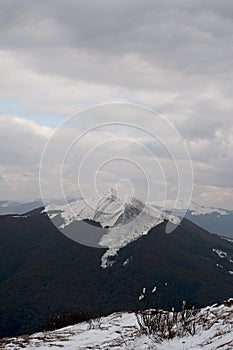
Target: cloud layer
pixel 174 55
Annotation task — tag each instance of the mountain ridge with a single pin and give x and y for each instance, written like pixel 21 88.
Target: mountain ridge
pixel 126 219
pixel 44 273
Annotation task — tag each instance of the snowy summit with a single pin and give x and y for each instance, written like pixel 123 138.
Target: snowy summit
pixel 126 219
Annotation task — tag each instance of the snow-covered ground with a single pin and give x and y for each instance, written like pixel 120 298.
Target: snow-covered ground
pixel 120 331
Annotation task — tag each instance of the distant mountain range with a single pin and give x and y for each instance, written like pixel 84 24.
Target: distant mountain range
pixel 214 220
pixel 10 207
pixel 44 273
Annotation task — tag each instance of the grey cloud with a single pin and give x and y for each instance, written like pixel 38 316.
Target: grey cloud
pixel 175 55
pixel 174 46
pixel 173 34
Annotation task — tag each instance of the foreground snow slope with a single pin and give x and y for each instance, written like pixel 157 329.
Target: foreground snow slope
pixel 120 331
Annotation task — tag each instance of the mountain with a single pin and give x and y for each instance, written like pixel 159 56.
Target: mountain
pixel 122 220
pixel 10 207
pixel 120 331
pixel 44 273
pixel 215 220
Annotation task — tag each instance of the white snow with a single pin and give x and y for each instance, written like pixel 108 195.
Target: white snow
pixel 119 331
pixel 126 218
pixel 53 215
pixel 221 267
pixel 126 262
pixel 194 208
pixel 220 253
pixel 154 290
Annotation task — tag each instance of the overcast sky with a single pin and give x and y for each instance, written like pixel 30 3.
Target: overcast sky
pixel 175 56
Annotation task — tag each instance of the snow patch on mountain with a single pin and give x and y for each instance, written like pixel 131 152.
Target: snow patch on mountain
pixel 125 218
pixel 220 253
pixel 194 208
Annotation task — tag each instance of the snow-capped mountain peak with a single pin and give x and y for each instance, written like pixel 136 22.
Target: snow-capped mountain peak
pixel 125 218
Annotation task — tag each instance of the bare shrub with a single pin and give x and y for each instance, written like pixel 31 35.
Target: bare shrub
pixel 163 324
pixel 95 323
